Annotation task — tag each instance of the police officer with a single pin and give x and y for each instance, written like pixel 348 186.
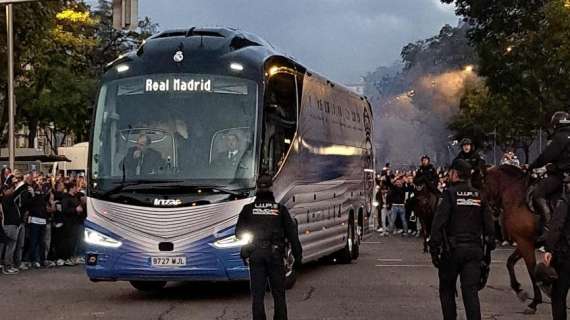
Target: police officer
pixel 461 230
pixel 427 174
pixel 477 164
pixel 557 246
pixel 268 225
pixel 558 154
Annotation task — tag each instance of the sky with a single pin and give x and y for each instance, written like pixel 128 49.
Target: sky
pixel 341 39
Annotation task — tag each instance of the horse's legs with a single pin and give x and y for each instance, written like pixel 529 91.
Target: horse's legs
pixel 425 235
pixel 529 257
pixel 511 262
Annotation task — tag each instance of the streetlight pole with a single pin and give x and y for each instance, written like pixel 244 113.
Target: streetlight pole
pixel 11 104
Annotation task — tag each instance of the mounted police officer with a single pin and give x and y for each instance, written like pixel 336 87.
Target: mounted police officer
pixel 477 164
pixel 558 155
pixel 427 174
pixel 268 225
pixel 557 246
pixel 461 242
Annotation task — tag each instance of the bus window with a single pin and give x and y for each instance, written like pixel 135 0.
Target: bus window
pixel 280 120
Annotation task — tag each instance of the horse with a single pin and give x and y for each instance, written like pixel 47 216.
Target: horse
pixel 505 187
pixel 424 208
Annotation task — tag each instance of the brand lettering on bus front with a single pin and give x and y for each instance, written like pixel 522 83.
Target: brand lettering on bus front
pixel 167 202
pixel 178 85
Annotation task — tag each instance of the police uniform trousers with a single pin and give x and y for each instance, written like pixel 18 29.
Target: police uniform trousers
pixel 267 264
pixel 465 263
pixel 560 287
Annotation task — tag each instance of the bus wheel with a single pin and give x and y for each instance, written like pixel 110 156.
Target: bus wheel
pixel 148 286
pixel 345 255
pixel 290 272
pixel 356 243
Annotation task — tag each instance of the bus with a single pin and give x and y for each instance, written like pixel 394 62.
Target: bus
pixel 184 125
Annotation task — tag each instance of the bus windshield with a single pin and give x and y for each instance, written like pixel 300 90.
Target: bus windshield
pixel 165 127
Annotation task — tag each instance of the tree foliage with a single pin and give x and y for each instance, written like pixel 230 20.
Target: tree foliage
pixel 524 56
pixel 60 54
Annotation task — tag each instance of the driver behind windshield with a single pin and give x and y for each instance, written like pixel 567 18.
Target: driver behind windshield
pixel 141 159
pixel 231 154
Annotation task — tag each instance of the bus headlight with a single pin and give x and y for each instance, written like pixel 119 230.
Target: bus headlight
pixel 233 241
pixel 98 239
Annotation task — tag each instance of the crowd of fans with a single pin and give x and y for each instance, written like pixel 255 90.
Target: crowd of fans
pixel 396 191
pixel 42 220
pixel 395 197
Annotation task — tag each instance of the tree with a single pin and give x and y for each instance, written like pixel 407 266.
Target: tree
pixel 524 55
pixel 29 33
pixel 60 54
pixel 58 85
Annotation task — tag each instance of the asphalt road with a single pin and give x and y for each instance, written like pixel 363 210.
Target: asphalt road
pixel 392 279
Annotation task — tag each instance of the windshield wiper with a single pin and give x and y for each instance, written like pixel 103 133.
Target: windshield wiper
pixel 239 192
pixel 135 185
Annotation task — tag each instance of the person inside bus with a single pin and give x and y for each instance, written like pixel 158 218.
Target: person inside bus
pixel 141 159
pixel 230 155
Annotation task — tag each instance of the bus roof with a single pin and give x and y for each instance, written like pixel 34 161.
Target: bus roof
pixel 206 50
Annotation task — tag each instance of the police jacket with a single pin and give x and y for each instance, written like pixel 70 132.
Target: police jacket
pixel 557 152
pixel 462 216
pixel 557 238
pixel 426 174
pixel 473 159
pixel 269 222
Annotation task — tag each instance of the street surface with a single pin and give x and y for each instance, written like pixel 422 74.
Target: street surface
pixel 392 279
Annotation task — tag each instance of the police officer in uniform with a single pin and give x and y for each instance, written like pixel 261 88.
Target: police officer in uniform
pixel 269 226
pixel 557 246
pixel 558 154
pixel 477 164
pixel 427 174
pixel 462 231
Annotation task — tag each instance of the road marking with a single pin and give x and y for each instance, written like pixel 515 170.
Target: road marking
pixel 404 265
pixel 389 260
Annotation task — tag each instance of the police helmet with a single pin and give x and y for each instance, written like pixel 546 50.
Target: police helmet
pixel 264 182
pixel 560 119
pixel 465 141
pixel 545 277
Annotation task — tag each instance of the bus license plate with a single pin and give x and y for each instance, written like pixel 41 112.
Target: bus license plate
pixel 168 261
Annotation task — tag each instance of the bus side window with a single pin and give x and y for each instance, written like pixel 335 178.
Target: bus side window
pixel 280 120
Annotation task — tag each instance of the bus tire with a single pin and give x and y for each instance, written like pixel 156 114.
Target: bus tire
pixel 357 239
pixel 290 270
pixel 344 256
pixel 148 286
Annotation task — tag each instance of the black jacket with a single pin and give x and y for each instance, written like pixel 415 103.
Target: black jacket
pixel 69 207
pixel 557 152
pixel 473 159
pixel 11 213
pixel 150 162
pixel 463 216
pixel 397 195
pixel 38 205
pixel 426 174
pixel 558 236
pixel 269 221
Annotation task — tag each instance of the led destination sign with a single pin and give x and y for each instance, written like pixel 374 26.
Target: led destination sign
pixel 178 85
